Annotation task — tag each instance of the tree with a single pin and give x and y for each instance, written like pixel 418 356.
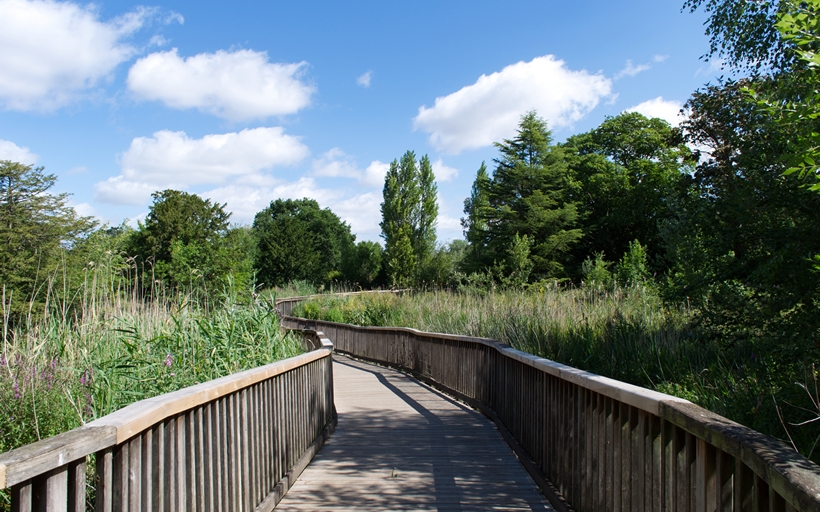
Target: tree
pixel 744 33
pixel 362 262
pixel 183 236
pixel 530 197
pixel 298 240
pixel 409 217
pixel 629 168
pixel 475 223
pixel 34 226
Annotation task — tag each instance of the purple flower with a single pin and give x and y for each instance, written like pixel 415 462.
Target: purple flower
pixel 16 390
pixel 169 360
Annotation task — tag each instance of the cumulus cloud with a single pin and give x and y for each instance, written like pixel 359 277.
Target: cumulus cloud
pixel 337 164
pixel 236 86
pixel 172 159
pixel 375 173
pixel 15 153
pixel 490 109
pixel 444 173
pixel 53 52
pixel 668 110
pixel 364 79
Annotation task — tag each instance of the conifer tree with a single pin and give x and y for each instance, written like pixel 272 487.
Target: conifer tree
pixel 475 222
pixel 530 195
pixel 34 225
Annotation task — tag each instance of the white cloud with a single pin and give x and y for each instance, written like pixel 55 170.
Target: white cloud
pixel 668 110
pixel 489 110
pixel 337 164
pixel 375 173
pixel 237 86
pixel 85 210
pixel 444 173
pixel 631 69
pixel 174 160
pixel 364 79
pixel 53 52
pixel 15 153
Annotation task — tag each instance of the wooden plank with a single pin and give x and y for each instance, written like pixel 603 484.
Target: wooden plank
pixel 35 459
pixel 444 460
pixel 21 497
pixel 76 486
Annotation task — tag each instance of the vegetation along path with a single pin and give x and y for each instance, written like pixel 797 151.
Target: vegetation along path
pixel 400 445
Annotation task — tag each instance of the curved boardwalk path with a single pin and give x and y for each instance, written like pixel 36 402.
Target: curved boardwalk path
pixel 401 445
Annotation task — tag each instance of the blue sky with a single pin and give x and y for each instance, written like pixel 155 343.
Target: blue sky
pixel 247 103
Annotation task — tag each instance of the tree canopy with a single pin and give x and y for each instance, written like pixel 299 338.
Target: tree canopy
pixel 184 238
pixel 529 200
pixel 296 239
pixel 34 225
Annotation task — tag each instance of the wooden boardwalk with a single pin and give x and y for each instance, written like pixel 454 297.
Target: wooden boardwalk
pixel 401 445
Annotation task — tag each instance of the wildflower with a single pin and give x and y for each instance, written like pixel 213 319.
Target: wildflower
pixel 16 388
pixel 169 360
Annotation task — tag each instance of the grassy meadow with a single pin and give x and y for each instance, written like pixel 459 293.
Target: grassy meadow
pixel 627 333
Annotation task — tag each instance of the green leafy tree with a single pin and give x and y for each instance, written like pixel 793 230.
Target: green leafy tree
pixel 744 34
pixel 362 263
pixel 530 195
pixel 183 237
pixel 298 240
pixel 476 209
pixel 35 226
pixel 409 217
pixel 630 169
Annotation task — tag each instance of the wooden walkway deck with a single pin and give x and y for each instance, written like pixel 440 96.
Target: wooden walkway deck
pixel 401 445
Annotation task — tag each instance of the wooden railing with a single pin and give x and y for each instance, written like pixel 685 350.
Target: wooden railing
pixel 594 443
pixel 234 444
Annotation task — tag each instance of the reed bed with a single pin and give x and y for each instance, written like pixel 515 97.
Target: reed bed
pixel 87 348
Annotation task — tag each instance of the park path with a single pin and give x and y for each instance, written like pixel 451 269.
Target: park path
pixel 400 445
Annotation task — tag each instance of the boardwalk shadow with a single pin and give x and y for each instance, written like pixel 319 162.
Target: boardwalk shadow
pixel 401 446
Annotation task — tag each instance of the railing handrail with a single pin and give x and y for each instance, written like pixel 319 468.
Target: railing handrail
pixel 34 459
pixel 791 475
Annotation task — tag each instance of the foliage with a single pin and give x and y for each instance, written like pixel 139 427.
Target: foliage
pixel 409 216
pixel 115 347
pixel 742 237
pixel 596 271
pixel 630 169
pixel 527 198
pixel 743 33
pixel 792 97
pixel 361 263
pixel 35 225
pixel 476 209
pixel 185 242
pixel 298 240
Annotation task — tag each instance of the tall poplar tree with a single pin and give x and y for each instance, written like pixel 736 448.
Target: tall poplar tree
pixel 409 216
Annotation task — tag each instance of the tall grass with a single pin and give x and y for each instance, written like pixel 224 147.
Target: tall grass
pixel 89 347
pixel 626 333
